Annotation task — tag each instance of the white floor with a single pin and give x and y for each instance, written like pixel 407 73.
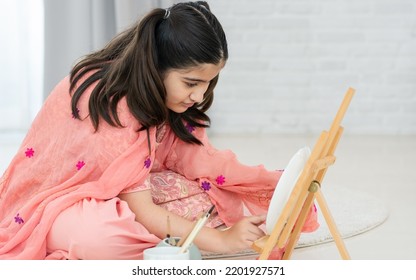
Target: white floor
pixel 383 166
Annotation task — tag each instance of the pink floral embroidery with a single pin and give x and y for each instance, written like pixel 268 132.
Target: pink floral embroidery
pixel 220 180
pixel 190 127
pixel 206 185
pixel 29 152
pixel 18 219
pixel 80 164
pixel 147 163
pixel 315 209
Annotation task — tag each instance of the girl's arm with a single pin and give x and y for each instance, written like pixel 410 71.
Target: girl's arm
pixel 230 184
pixel 239 237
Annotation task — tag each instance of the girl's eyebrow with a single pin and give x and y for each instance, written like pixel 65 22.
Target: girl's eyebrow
pixel 195 80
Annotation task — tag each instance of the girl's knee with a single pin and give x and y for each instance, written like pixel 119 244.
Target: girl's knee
pixel 94 230
pixel 101 245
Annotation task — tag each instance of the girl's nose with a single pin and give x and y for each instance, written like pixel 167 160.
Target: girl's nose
pixel 197 96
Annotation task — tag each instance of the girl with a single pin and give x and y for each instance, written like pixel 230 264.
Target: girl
pixel 121 144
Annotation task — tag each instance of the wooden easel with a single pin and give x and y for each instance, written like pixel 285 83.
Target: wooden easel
pixel 288 227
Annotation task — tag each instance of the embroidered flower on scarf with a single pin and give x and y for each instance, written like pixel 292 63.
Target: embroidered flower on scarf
pixel 77 110
pixel 80 164
pixel 190 127
pixel 220 180
pixel 206 185
pixel 147 163
pixel 29 152
pixel 18 219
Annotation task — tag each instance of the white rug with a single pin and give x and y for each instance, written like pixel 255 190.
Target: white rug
pixel 354 213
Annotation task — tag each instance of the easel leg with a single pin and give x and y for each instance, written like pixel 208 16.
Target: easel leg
pixel 294 237
pixel 331 225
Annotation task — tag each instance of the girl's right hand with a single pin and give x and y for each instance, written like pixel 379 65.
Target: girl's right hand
pixel 242 234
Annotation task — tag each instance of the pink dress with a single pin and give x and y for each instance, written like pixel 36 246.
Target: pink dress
pixel 58 197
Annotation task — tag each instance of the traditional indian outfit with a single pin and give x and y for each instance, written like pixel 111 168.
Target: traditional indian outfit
pixel 58 197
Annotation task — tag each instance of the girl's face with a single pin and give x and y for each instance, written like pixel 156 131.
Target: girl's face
pixel 186 87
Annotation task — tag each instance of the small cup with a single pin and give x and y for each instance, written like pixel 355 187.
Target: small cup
pixel 165 253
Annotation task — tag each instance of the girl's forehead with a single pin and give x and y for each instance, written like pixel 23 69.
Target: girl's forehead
pixel 204 69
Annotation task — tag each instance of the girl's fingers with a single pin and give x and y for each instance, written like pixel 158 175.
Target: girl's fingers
pixel 257 220
pixel 254 231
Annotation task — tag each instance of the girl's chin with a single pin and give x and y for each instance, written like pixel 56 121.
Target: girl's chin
pixel 180 108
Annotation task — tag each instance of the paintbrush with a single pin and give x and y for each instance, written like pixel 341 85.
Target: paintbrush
pixel 198 226
pixel 182 240
pixel 171 240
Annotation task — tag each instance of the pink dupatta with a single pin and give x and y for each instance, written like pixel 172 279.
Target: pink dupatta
pixel 61 161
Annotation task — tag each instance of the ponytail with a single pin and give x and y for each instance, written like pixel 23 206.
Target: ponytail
pixel 125 67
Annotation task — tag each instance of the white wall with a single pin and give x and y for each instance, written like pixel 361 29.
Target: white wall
pixel 291 61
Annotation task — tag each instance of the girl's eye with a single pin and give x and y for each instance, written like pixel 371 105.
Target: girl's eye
pixel 191 84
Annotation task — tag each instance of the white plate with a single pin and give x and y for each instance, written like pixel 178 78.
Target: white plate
pixel 285 186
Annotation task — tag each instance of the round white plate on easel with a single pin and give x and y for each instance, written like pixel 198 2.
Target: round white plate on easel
pixel 285 186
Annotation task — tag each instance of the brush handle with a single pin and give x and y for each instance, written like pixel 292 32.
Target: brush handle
pixel 197 228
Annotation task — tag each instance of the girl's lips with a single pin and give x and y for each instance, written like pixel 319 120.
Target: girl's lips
pixel 188 105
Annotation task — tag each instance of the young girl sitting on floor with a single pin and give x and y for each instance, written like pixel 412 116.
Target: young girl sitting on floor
pixel 121 143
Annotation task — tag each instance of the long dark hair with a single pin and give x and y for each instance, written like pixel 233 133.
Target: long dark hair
pixel 133 64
